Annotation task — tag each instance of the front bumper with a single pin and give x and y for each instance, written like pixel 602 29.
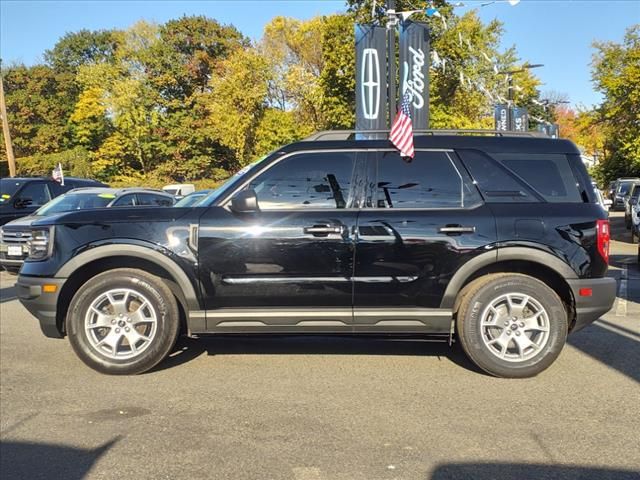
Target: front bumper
pixel 591 308
pixel 41 304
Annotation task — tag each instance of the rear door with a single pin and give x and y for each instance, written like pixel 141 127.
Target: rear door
pixel 422 221
pixel 289 265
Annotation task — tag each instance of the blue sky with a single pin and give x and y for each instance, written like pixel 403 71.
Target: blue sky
pixel 557 33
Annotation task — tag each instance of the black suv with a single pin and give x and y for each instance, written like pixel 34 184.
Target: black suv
pixel 497 241
pixel 21 196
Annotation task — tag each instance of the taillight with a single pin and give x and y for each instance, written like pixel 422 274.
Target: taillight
pixel 604 238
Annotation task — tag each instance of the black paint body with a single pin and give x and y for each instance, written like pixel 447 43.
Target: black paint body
pixel 374 258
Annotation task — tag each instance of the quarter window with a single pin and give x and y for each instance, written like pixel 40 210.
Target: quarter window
pixel 430 180
pixel 306 181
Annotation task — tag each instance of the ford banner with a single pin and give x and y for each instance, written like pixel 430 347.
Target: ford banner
pixel 501 117
pixel 414 71
pixel 519 119
pixel 371 78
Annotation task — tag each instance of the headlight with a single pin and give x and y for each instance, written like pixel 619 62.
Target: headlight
pixel 41 243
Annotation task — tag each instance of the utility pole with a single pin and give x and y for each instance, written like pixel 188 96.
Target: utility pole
pixel 5 131
pixel 510 74
pixel 391 36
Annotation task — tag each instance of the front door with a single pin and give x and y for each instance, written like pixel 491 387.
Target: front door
pixel 424 219
pixel 289 265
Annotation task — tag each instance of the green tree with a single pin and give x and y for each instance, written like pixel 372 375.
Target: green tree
pixel 81 48
pixel 616 74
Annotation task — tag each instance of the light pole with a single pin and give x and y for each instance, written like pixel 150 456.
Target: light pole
pixel 509 74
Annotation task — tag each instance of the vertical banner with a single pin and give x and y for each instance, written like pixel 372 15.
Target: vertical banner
pixel 414 71
pixel 554 131
pixel 501 117
pixel 519 119
pixel 371 78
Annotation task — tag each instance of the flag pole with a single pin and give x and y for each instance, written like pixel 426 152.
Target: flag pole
pixel 5 131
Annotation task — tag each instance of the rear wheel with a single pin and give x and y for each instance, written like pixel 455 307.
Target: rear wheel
pixel 511 325
pixel 123 321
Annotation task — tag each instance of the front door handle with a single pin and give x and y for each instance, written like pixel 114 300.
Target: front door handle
pixel 323 230
pixel 456 229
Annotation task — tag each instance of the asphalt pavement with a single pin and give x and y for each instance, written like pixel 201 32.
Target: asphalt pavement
pixel 324 408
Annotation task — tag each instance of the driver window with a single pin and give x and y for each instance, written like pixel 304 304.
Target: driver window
pixel 309 180
pixel 37 192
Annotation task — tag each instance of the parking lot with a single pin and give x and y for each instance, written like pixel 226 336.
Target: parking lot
pixel 320 408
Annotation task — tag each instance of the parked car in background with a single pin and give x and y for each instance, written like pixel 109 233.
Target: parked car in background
pixel 611 190
pixel 623 186
pixel 192 199
pixel 179 190
pixel 21 196
pixel 15 235
pixel 604 202
pixel 629 200
pixel 635 220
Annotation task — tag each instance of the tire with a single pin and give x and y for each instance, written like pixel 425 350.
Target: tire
pixel 123 321
pixel 502 350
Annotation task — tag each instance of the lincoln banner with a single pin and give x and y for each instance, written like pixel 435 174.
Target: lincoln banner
pixel 371 78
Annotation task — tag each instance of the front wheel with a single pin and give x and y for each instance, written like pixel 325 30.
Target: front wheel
pixel 123 321
pixel 511 325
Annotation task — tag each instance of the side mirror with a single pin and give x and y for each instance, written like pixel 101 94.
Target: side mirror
pixel 633 201
pixel 245 201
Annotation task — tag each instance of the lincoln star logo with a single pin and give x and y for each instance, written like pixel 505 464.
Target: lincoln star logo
pixel 370 83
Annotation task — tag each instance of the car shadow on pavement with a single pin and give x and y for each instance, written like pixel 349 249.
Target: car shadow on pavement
pixel 188 349
pixel 615 346
pixel 7 294
pixel 21 460
pixel 525 471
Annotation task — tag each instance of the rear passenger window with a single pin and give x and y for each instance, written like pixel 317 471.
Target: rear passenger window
pixel 430 180
pixel 149 199
pixel 494 181
pixel 549 174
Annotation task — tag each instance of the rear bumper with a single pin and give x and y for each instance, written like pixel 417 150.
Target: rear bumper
pixel 591 308
pixel 42 305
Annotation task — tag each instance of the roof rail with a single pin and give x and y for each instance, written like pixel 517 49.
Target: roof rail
pixel 327 135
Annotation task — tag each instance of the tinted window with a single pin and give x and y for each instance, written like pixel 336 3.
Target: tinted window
pixel 549 174
pixel 309 180
pixel 149 199
pixel 37 192
pixel 8 187
pixel 125 201
pixel 430 180
pixel 493 180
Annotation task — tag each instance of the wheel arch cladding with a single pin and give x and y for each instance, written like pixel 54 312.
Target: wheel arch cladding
pixel 528 261
pixel 90 263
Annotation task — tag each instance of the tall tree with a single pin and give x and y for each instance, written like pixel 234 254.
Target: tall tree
pixel 616 74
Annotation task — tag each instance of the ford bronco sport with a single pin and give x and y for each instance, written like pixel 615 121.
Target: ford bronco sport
pixel 495 241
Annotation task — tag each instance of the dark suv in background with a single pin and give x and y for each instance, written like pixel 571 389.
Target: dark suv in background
pixel 495 241
pixel 21 196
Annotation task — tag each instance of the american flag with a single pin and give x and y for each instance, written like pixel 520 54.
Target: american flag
pixel 57 174
pixel 402 130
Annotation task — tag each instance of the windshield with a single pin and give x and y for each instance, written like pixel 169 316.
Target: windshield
pixel 76 201
pixel 624 188
pixel 8 187
pixel 190 200
pixel 209 199
pixel 171 191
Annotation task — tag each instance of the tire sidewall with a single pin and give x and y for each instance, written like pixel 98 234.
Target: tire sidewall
pixel 472 331
pixel 155 292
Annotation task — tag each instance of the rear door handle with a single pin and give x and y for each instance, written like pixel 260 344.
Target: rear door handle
pixel 456 229
pixel 323 230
